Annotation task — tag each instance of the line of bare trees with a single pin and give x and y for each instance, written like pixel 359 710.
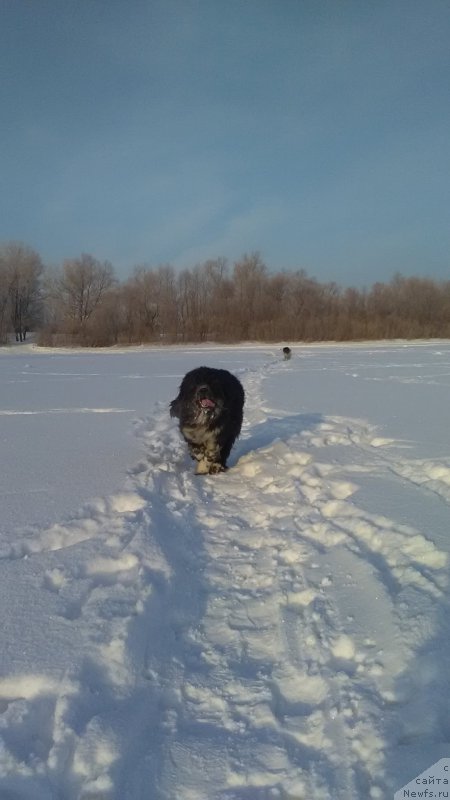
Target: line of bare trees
pixel 82 302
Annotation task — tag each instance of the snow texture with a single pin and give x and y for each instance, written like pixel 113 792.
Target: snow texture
pixel 280 631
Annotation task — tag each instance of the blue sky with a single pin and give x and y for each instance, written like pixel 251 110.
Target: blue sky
pixel 171 131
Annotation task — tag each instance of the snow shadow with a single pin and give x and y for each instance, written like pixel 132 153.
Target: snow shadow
pixel 418 726
pixel 160 640
pixel 274 429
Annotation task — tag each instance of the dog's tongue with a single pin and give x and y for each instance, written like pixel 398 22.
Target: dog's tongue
pixel 205 402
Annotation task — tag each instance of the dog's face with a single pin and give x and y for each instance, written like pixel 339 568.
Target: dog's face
pixel 208 401
pixel 204 404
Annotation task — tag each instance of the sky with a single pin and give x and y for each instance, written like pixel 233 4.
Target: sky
pixel 174 131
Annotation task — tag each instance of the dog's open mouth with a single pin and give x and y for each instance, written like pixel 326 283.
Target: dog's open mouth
pixel 206 402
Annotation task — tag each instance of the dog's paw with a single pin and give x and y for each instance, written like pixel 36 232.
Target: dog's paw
pixel 203 467
pixel 215 468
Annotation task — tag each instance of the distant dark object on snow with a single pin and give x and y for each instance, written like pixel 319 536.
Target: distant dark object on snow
pixel 210 407
pixel 287 352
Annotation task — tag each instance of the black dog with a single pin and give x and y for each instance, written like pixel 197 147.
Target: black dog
pixel 287 353
pixel 210 406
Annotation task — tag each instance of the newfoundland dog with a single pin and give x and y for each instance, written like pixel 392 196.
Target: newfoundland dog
pixel 209 407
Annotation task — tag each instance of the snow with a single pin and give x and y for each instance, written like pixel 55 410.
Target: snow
pixel 278 631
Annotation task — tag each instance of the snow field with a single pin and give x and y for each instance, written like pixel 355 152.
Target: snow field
pixel 259 634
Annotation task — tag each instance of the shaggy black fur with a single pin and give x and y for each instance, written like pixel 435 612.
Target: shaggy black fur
pixel 287 353
pixel 209 406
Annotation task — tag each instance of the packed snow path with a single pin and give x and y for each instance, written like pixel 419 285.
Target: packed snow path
pixel 254 635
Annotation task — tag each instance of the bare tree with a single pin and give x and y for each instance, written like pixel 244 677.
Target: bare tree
pixel 249 276
pixel 4 302
pixel 167 303
pixel 217 292
pixel 191 310
pixel 77 290
pixel 21 269
pixel 141 301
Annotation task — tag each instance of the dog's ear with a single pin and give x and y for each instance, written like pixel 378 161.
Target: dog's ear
pixel 175 407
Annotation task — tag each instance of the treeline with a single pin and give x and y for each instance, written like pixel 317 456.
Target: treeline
pixel 82 303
